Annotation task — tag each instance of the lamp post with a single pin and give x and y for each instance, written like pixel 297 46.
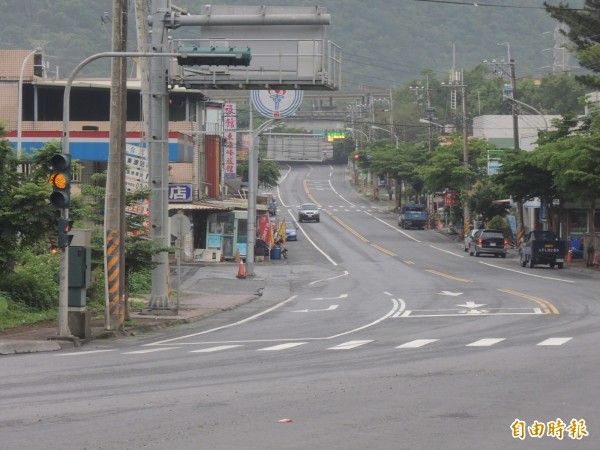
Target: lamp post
pixel 387 131
pixel 20 106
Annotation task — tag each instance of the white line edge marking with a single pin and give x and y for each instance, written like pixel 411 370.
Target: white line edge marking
pixel 310 240
pixel 336 192
pixel 89 352
pixel 446 251
pixel 398 305
pixel 247 319
pixel 526 273
pixel 149 350
pixel 392 227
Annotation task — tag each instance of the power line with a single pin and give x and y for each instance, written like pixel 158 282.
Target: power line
pixel 491 5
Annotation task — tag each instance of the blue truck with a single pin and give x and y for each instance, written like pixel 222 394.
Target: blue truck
pixel 413 215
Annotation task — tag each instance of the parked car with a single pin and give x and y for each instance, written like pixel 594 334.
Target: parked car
pixel 308 211
pixel 543 247
pixel 490 242
pixel 468 239
pixel 290 234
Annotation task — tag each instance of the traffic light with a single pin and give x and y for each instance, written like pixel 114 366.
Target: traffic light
pixel 60 180
pixel 64 227
pixel 214 56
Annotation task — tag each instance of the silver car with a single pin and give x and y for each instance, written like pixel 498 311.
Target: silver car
pixel 308 211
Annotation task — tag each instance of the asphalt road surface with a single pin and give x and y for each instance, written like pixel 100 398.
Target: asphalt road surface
pixel 384 339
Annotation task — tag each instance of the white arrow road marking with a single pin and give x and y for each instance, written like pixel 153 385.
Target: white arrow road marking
pixel 215 349
pixel 471 305
pixel 453 294
pixel 330 298
pixel 280 347
pixel 555 341
pixel 485 342
pixel 417 343
pixel 474 311
pixel 348 345
pixel 150 350
pixel 331 308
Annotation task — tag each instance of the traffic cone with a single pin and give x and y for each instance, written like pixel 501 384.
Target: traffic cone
pixel 595 262
pixel 241 270
pixel 569 256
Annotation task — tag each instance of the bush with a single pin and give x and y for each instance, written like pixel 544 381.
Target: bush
pixel 140 282
pixel 34 283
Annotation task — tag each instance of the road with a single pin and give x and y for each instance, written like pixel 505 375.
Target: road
pixel 389 339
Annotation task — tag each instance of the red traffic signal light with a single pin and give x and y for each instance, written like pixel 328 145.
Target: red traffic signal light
pixel 64 227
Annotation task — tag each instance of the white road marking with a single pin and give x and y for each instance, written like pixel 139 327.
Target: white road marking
pixel 394 228
pixel 417 343
pixel 446 251
pixel 469 313
pixel 452 294
pixel 215 349
pixel 488 342
pixel 555 341
pixel 248 319
pixel 330 298
pixel 281 347
pixel 348 345
pixel 89 352
pixel 471 304
pixel 331 308
pixel 525 273
pixel 346 273
pixel 149 350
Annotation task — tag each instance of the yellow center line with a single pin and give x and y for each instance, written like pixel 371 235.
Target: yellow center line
pixel 547 307
pixel 354 232
pixel 450 277
pixel 381 249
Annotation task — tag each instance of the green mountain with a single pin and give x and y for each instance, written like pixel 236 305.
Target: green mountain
pixel 384 42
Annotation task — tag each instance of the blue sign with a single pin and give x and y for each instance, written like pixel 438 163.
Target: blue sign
pixel 180 193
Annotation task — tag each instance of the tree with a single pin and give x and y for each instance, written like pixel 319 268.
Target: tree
pixel 581 24
pixel 268 172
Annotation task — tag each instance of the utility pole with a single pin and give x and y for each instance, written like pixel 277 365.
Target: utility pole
pixel 516 145
pixel 456 82
pixel 114 221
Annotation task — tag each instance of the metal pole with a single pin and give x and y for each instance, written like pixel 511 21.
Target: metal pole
pixel 158 149
pixel 63 300
pixel 20 106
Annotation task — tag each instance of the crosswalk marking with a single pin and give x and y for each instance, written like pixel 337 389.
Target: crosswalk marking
pixel 348 345
pixel 281 347
pixel 150 350
pixel 417 343
pixel 484 342
pixel 215 349
pixel 555 341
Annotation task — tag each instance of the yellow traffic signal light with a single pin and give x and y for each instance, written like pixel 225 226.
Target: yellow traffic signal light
pixel 60 180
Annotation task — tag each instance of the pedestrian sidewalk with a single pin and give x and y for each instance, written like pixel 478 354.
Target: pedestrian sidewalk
pixel 212 288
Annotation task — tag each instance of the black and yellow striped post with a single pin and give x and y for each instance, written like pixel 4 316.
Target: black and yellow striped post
pixel 114 316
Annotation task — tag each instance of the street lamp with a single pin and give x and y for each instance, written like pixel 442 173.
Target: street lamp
pixel 20 105
pixel 387 131
pixel 431 122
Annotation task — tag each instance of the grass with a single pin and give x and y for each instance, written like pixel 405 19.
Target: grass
pixel 13 315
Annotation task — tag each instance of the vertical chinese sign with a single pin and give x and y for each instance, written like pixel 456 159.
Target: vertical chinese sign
pixel 230 140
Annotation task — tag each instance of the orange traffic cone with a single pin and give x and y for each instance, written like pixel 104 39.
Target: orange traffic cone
pixel 241 270
pixel 569 256
pixel 595 262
